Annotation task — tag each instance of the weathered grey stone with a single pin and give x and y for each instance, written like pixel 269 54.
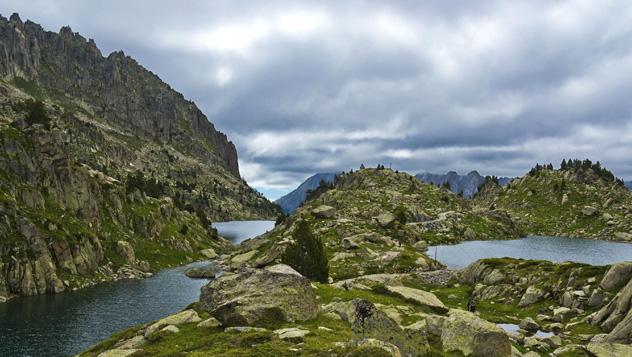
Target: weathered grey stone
pixel 420 297
pixel 292 334
pixel 531 296
pixel 170 329
pixel 589 211
pixel 324 211
pixel 209 253
pixel 604 349
pixel 210 323
pixel 200 273
pixel 385 219
pixel 257 296
pixel 528 324
pixel 186 316
pixel 618 275
pixel 464 332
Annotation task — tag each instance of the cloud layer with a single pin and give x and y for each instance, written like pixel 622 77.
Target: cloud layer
pixel 323 86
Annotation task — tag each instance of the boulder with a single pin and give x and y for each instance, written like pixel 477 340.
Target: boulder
pixel 597 298
pixel 589 211
pixel 623 236
pixel 618 275
pixel 283 269
pixel 385 219
pixel 562 314
pixel 470 335
pixel 209 253
pixel 604 349
pixel 186 316
pixel 242 258
pixel 614 314
pixel 171 329
pixel 553 341
pixel 528 324
pixel 531 296
pixel 348 243
pixel 293 334
pixel 210 323
pixel 421 246
pixel 420 297
pixel 200 273
pixel 253 297
pixel 324 211
pixel 571 350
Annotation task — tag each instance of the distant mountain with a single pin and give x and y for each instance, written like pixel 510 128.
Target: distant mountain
pixel 628 184
pixel 468 184
pixel 294 199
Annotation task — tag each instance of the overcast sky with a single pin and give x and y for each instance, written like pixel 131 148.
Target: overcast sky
pixel 323 86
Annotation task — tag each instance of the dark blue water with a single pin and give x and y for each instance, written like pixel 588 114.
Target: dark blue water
pixel 68 323
pixel 555 249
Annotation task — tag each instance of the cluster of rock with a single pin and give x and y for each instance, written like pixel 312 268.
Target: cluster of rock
pixel 246 301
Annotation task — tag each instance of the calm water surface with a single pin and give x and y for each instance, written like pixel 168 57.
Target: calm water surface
pixel 555 249
pixel 68 323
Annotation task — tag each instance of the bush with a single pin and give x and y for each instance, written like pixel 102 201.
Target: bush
pixel 307 254
pixel 36 113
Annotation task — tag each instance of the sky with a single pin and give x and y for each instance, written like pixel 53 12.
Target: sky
pixel 303 87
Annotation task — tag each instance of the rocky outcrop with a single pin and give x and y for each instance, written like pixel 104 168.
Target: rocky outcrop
pixel 126 93
pixel 254 297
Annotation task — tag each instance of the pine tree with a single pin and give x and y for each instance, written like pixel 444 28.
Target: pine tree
pixel 307 254
pixel 563 165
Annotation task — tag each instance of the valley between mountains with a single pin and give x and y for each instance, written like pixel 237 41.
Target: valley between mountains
pixel 107 173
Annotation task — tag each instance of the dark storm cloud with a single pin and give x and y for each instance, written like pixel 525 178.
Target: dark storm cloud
pixel 304 87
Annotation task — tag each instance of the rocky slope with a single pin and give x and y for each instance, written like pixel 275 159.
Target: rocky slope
pixel 379 221
pixel 105 171
pixel 557 309
pixel 573 202
pixel 290 202
pixel 465 185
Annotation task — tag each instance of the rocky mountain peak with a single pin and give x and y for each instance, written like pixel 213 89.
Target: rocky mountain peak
pixel 116 87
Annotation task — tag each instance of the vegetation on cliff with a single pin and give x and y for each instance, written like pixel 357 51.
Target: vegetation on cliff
pixel 103 166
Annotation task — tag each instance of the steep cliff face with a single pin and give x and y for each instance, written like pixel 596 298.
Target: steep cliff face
pixel 116 87
pixel 103 168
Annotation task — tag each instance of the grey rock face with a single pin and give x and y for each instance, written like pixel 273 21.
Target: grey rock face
pixel 254 297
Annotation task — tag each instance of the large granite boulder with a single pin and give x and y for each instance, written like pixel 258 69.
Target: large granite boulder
pixel 186 316
pixel 324 211
pixel 470 335
pixel 254 297
pixel 420 297
pixel 617 275
pixel 604 349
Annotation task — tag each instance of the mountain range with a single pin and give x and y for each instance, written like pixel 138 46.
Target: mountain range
pixel 466 185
